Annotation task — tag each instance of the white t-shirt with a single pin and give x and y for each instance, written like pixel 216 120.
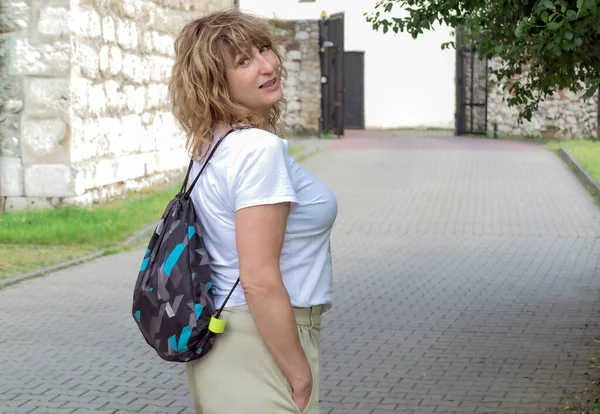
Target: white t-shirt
pixel 252 167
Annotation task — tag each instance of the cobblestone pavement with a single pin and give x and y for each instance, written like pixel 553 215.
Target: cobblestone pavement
pixel 466 281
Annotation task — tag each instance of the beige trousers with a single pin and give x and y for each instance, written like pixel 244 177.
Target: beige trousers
pixel 239 375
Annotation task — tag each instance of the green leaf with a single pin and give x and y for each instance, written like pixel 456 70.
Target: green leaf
pixel 545 16
pixel 499 49
pixel 590 92
pixel 578 42
pixel 519 29
pixel 388 7
pixel 589 4
pixel 572 15
pixel 579 4
pixel 563 9
pixel 569 35
pixel 554 25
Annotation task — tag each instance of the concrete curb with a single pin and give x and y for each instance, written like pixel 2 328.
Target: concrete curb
pixel 588 181
pixel 143 234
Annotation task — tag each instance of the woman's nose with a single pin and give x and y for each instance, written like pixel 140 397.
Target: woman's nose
pixel 266 66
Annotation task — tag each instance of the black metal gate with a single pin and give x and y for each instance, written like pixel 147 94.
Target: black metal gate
pixel 331 34
pixel 471 89
pixel 354 90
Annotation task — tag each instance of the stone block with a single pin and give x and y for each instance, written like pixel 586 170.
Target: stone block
pixel 116 99
pixel 49 180
pixel 13 106
pixel 26 203
pixel 87 59
pixel 188 4
pixel 14 16
pixel 140 100
pixel 104 60
pixel 54 21
pixel 146 45
pixel 167 133
pixel 132 68
pixel 91 137
pixel 116 60
pixel 88 23
pixel 127 34
pixel 80 96
pixel 130 166
pixel 135 98
pixel 44 141
pixel 128 138
pixel 80 200
pixel 163 44
pixel 294 55
pixel 93 175
pixel 151 165
pixel 146 69
pixel 167 20
pixel 135 9
pixel 11 87
pixel 147 140
pixel 154 96
pixel 302 35
pixel 97 100
pixel 11 177
pixel 47 97
pixel 294 106
pixel 42 59
pixel 292 66
pixel 109 171
pixel 108 29
pixel 9 134
pixel 171 159
pixel 129 92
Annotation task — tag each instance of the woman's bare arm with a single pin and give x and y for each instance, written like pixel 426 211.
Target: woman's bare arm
pixel 260 232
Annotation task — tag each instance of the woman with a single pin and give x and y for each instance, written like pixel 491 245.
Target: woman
pixel 265 219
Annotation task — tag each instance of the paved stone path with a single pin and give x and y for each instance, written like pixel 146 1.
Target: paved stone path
pixel 467 281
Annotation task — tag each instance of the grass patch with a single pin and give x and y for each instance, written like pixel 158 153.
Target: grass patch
pixel 586 152
pixel 98 226
pixel 586 401
pixel 21 258
pixel 308 155
pixel 295 149
pixel 37 238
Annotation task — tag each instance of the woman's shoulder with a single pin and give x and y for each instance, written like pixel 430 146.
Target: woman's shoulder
pixel 254 144
pixel 253 139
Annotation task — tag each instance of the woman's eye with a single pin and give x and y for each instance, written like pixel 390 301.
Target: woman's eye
pixel 244 62
pixel 265 49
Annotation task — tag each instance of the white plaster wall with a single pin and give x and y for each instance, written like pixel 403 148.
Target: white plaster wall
pixel 408 83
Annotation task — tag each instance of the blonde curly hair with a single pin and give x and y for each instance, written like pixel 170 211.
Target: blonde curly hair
pixel 198 91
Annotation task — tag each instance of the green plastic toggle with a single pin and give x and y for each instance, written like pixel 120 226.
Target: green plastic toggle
pixel 216 325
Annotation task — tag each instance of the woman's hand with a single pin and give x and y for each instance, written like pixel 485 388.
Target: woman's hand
pixel 301 395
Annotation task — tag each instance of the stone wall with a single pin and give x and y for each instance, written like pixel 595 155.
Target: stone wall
pixel 83 97
pixel 564 115
pixel 299 40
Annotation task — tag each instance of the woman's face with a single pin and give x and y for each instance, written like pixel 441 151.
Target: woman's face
pixel 253 80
